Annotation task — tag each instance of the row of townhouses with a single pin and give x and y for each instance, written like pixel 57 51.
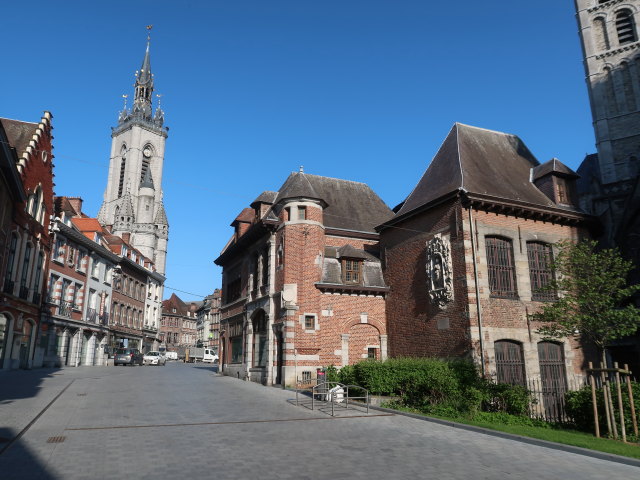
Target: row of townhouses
pixel 74 288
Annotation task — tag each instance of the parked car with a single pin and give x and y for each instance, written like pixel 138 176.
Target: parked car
pixel 154 358
pixel 128 356
pixel 171 355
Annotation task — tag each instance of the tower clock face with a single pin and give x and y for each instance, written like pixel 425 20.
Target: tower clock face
pixel 147 152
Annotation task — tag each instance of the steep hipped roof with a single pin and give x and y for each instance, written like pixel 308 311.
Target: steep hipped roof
pixel 246 216
pixel 479 161
pixel 349 205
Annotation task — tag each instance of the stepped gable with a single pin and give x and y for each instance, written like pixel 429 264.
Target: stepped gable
pixel 479 161
pixel 348 205
pixel 25 136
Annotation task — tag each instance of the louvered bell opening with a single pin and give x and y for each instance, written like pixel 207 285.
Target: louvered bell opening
pixel 625 28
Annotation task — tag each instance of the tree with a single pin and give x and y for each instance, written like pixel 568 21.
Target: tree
pixel 594 297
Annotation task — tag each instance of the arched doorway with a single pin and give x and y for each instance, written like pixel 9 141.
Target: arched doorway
pixel 24 342
pixel 5 330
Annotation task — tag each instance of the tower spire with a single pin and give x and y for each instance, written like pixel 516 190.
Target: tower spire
pixel 144 84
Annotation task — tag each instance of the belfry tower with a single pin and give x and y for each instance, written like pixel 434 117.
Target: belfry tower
pixel 609 179
pixel 133 197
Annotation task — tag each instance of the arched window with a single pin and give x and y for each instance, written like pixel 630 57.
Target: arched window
pixel 600 34
pixel 11 260
pixel 36 279
pixel 123 167
pixel 627 84
pixel 609 92
pixel 26 261
pixel 501 267
pixel 625 27
pixel 509 362
pixel 540 257
pixel 553 376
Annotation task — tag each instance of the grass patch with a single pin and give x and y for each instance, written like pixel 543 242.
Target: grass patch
pixel 549 433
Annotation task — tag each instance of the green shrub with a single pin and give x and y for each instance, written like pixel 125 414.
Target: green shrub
pixel 580 407
pixel 506 398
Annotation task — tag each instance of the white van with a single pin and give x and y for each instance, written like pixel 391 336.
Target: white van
pixel 209 356
pixel 171 355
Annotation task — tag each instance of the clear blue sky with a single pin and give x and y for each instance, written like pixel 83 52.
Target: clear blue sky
pixel 363 90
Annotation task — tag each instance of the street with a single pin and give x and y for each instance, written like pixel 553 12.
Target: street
pixel 184 421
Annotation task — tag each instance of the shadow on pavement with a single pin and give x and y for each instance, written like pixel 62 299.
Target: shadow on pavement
pixel 17 461
pixel 19 384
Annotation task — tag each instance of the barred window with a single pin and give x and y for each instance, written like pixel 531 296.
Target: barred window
pixel 509 362
pixel 540 270
pixel 502 271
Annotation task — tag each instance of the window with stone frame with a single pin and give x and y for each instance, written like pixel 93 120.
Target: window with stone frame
pixel 372 353
pixel 540 257
pixel 501 267
pixel 351 271
pixel 71 255
pixel 510 362
pixel 309 322
pixel 625 27
pixel 302 213
pixel 59 250
pixel 234 290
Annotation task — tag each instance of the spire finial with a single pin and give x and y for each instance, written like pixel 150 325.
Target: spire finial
pixel 149 27
pixel 159 97
pixel 125 101
pixel 301 169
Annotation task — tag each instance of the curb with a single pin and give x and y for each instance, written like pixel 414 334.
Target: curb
pixel 611 457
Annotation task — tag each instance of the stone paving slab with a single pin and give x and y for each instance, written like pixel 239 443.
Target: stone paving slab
pixel 128 421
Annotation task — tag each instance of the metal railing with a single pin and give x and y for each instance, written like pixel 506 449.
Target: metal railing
pixel 24 292
pixel 65 308
pixel 92 315
pixel 335 394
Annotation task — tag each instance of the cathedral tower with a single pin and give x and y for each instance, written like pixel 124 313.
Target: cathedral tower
pixel 133 197
pixel 609 35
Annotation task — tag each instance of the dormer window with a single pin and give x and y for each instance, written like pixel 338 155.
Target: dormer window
pixel 351 271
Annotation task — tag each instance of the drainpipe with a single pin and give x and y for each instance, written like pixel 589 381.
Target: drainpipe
pixel 475 276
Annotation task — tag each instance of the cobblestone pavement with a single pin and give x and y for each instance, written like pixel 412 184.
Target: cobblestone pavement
pixel 183 421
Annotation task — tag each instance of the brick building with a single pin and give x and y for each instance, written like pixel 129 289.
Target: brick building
pixel 302 283
pixel 468 251
pixel 178 326
pixel 25 241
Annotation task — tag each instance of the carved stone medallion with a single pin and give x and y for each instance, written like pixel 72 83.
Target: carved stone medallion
pixel 439 271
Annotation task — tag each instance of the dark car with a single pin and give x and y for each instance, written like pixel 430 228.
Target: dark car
pixel 128 356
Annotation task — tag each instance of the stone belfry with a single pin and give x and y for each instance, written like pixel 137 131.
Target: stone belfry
pixel 609 179
pixel 133 197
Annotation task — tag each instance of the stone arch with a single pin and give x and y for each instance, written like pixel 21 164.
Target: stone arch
pixel 6 339
pixel 601 35
pixel 363 342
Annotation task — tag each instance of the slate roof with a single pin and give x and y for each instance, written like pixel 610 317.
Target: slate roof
pixel 349 205
pixel 19 133
pixel 332 266
pixel 265 197
pixel 553 166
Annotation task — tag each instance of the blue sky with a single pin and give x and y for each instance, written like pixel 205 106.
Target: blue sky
pixel 253 89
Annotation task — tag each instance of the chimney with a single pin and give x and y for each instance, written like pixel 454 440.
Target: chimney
pixel 76 203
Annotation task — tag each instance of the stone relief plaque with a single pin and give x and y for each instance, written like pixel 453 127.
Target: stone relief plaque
pixel 439 271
